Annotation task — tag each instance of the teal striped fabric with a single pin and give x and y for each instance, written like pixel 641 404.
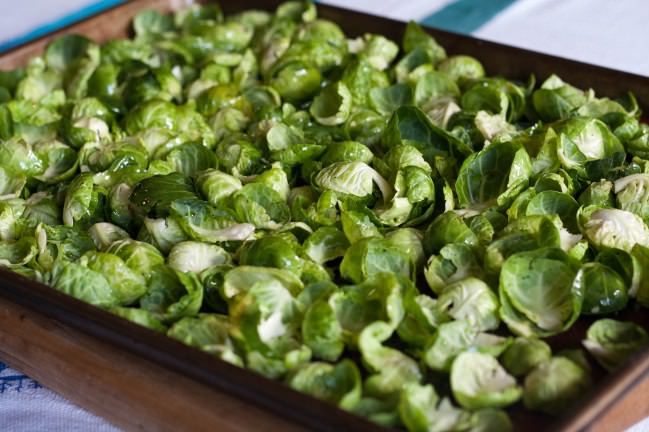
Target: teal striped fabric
pixel 89 10
pixel 466 16
pixel 461 16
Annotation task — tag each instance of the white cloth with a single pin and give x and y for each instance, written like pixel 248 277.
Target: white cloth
pixel 26 406
pixel 20 19
pixel 608 33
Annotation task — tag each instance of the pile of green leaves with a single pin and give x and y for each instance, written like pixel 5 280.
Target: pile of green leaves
pixel 382 227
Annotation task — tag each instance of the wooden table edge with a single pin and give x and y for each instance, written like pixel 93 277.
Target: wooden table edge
pixel 126 390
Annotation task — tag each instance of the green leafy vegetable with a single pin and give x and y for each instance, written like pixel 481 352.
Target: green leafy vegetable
pixel 376 224
pixel 612 342
pixel 524 354
pixel 478 381
pixel 554 385
pixel 537 292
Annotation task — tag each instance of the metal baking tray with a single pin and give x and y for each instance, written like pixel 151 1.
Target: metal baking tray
pixel 614 395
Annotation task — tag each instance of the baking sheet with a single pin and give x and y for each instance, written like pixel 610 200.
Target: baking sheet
pixel 273 395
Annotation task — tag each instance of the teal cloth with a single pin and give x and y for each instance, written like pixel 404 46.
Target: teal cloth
pixel 54 25
pixel 466 16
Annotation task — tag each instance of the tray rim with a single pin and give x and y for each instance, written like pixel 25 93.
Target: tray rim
pixel 154 346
